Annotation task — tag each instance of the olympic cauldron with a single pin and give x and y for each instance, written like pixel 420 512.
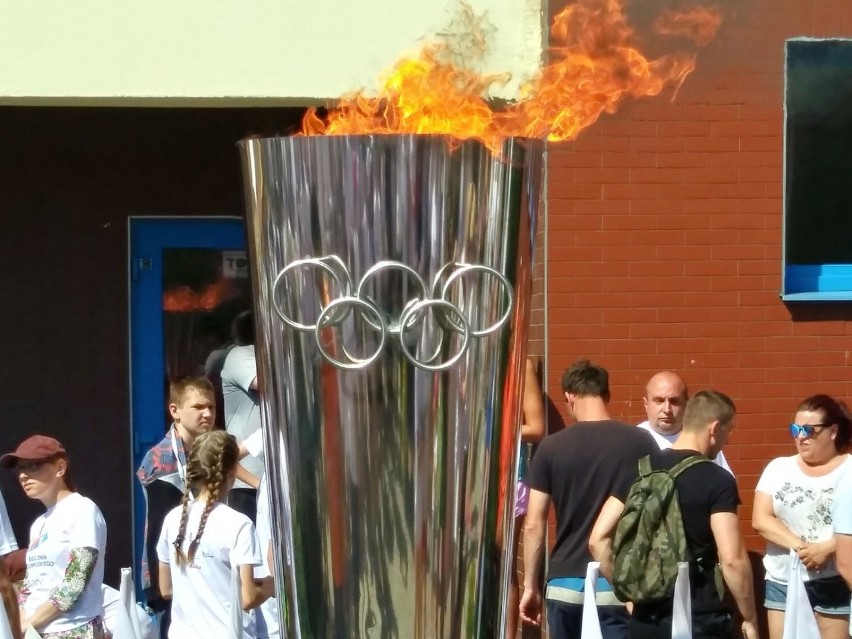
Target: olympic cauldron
pixel 392 278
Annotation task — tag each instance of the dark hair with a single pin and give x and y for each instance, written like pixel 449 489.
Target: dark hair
pixel 242 329
pixel 179 388
pixel 213 456
pixel 585 379
pixel 708 406
pixel 834 411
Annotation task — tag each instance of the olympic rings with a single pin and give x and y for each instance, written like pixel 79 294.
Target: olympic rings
pixel 450 317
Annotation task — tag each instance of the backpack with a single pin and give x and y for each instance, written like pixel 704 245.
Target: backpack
pixel 649 538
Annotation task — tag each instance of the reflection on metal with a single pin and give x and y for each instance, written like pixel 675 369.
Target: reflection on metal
pixel 392 278
pixel 384 324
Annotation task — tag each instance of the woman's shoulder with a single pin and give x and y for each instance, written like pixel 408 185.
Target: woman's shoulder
pixel 81 504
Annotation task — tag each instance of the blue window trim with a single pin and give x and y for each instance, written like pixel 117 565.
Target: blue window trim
pixel 817 282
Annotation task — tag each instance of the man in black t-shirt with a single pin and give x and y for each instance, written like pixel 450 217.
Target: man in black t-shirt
pixel 708 499
pixel 576 470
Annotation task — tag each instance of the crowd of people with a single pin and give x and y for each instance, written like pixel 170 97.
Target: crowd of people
pixel 589 474
pixel 207 561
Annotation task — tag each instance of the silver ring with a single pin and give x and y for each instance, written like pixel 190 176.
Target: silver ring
pixel 393 327
pixel 324 321
pixel 344 282
pixel 465 332
pixel 508 292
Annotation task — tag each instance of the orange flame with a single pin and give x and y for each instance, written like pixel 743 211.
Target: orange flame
pixel 184 299
pixel 594 67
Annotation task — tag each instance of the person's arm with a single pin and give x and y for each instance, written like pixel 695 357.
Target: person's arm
pixel 65 595
pixel 248 477
pixel 254 592
pixel 600 541
pixel 165 580
pixel 533 428
pixel 843 553
pixel 535 528
pixel 736 567
pixel 768 526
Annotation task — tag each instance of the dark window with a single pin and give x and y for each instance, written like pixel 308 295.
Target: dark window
pixel 818 170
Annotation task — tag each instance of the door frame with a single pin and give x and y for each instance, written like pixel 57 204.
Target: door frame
pixel 187 231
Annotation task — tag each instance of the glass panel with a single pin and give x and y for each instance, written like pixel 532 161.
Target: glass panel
pixel 203 290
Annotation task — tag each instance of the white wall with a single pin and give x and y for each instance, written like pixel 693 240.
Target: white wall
pixel 175 52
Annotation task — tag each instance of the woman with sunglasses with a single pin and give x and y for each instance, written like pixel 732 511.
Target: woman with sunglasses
pixel 61 596
pixel 792 511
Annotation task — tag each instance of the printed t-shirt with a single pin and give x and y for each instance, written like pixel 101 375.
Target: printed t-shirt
pixel 803 504
pixel 74 522
pixel 8 543
pixel 580 467
pixel 201 592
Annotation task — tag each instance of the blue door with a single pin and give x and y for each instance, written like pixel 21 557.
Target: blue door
pixel 188 279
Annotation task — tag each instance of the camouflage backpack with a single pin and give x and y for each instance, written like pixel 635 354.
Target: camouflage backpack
pixel 649 539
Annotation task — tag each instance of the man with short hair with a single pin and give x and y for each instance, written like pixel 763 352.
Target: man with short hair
pixel 576 469
pixel 665 400
pixel 708 500
pixel 162 474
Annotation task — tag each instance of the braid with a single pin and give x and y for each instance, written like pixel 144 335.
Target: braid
pixel 180 557
pixel 213 456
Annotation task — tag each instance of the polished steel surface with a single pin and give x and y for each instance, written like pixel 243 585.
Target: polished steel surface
pixel 392 279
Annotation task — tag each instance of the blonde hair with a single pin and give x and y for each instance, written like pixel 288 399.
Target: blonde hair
pixel 213 456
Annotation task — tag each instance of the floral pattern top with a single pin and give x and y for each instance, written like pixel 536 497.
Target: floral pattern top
pixel 803 504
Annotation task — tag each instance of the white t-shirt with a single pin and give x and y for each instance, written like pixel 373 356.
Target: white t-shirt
pixel 841 505
pixel 269 608
pixel 8 543
pixel 201 593
pixel 803 504
pixel 666 441
pixel 242 403
pixel 74 522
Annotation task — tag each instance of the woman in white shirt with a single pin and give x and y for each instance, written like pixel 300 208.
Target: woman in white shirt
pixel 203 541
pixel 61 595
pixel 792 511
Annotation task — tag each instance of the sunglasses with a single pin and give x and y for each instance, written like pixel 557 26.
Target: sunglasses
pixel 31 466
pixel 807 430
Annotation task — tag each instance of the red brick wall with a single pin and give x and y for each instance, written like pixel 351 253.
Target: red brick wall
pixel 664 243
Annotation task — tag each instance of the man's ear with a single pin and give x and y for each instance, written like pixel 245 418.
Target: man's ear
pixel 173 411
pixel 714 428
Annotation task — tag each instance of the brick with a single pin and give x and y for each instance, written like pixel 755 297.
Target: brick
pixel 575 191
pixel 716 175
pixel 739 190
pixel 738 252
pixel 665 205
pixel 628 160
pixel 569 159
pixel 761 174
pixel 737 221
pixel 629 191
pixel 564 224
pixel 628 128
pixel 657 269
pixel 630 346
pixel 589 143
pixel 753 128
pixel 717 268
pixel 761 113
pixel 601 207
pixel 656 176
pixel 628 222
pixel 685 127
pixel 601 176
pixel 710 113
pixel 710 145
pixel 686 160
pixel 658 145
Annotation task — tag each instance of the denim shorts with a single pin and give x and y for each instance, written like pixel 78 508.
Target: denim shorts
pixel 828 596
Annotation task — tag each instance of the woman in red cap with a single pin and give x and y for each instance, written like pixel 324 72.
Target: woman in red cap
pixel 61 597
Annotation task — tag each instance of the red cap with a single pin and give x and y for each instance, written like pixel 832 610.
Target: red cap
pixel 33 448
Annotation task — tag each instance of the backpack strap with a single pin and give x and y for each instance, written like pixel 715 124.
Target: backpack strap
pixel 689 462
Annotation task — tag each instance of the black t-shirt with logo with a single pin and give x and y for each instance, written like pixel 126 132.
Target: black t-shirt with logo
pixel 580 467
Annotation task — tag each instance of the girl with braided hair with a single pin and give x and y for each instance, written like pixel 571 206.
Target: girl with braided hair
pixel 202 541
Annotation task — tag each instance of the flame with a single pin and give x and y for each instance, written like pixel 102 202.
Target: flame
pixel 594 66
pixel 183 299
